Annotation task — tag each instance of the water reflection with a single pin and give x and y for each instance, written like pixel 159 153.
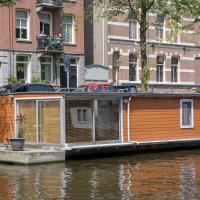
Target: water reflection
pixel 163 176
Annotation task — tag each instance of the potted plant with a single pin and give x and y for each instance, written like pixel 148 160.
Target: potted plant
pixel 17 143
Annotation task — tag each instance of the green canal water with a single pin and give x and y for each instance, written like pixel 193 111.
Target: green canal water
pixel 160 176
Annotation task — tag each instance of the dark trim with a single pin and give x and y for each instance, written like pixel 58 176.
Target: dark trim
pixel 24 41
pixel 69 44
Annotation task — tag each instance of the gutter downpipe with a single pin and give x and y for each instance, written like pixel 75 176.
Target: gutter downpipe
pixel 128 113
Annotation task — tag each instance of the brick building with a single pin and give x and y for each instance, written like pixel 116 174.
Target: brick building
pixel 174 62
pixel 35 37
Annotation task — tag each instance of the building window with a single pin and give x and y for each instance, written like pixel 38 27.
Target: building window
pixel 132 67
pixel 187 113
pixel 160 26
pixel 22 24
pixel 174 69
pixel 45 24
pixel 132 29
pixel 160 69
pixel 22 63
pixel 68 32
pixel 46 69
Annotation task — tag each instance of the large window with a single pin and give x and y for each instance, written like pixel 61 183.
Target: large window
pixel 68 32
pixel 132 67
pixel 45 24
pixel 46 69
pixel 187 113
pixel 42 120
pixel 91 122
pixel 160 26
pixel 174 69
pixel 132 29
pixel 22 68
pixel 22 24
pixel 160 68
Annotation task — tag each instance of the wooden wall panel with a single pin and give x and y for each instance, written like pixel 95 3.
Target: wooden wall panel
pixel 6 118
pixel 154 119
pixel 125 122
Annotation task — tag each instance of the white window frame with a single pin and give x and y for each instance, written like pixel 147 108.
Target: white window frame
pixel 47 63
pixel 73 29
pixel 82 118
pixel 131 30
pixel 178 67
pixel 136 66
pixel 28 66
pixel 50 22
pixel 28 25
pixel 163 65
pixel 160 26
pixel 192 113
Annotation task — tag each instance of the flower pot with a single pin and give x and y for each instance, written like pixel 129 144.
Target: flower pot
pixel 17 144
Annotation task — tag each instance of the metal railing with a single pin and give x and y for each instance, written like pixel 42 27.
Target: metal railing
pixel 56 3
pixel 49 43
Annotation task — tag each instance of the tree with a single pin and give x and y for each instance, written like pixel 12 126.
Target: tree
pixel 7 2
pixel 173 10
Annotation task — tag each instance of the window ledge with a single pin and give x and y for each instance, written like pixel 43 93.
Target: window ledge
pixel 187 127
pixel 23 41
pixel 70 1
pixel 70 44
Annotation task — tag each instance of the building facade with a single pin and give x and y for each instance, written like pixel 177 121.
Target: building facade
pixel 36 35
pixel 174 61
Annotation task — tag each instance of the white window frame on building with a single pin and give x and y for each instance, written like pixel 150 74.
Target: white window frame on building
pixel 46 21
pixel 160 21
pixel 186 113
pixel 47 65
pixel 68 29
pixel 132 29
pixel 160 62
pixel 132 67
pixel 174 69
pixel 22 24
pixel 23 68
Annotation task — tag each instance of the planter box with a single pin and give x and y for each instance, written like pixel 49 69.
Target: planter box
pixel 17 144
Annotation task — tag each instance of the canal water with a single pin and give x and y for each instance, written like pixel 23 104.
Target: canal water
pixel 160 176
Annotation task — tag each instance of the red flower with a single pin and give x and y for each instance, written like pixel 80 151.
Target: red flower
pixel 21 119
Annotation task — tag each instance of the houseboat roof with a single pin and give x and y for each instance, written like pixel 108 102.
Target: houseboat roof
pixel 118 95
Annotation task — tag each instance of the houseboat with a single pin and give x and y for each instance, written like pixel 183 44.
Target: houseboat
pixel 110 122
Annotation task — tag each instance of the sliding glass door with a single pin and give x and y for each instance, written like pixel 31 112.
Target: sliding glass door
pixel 43 121
pixel 48 122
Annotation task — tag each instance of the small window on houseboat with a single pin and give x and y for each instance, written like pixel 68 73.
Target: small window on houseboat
pixel 82 115
pixel 187 114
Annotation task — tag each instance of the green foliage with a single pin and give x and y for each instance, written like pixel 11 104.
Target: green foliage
pixel 176 29
pixel 46 81
pixel 36 79
pixel 197 90
pixel 13 80
pixel 146 73
pixel 7 2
